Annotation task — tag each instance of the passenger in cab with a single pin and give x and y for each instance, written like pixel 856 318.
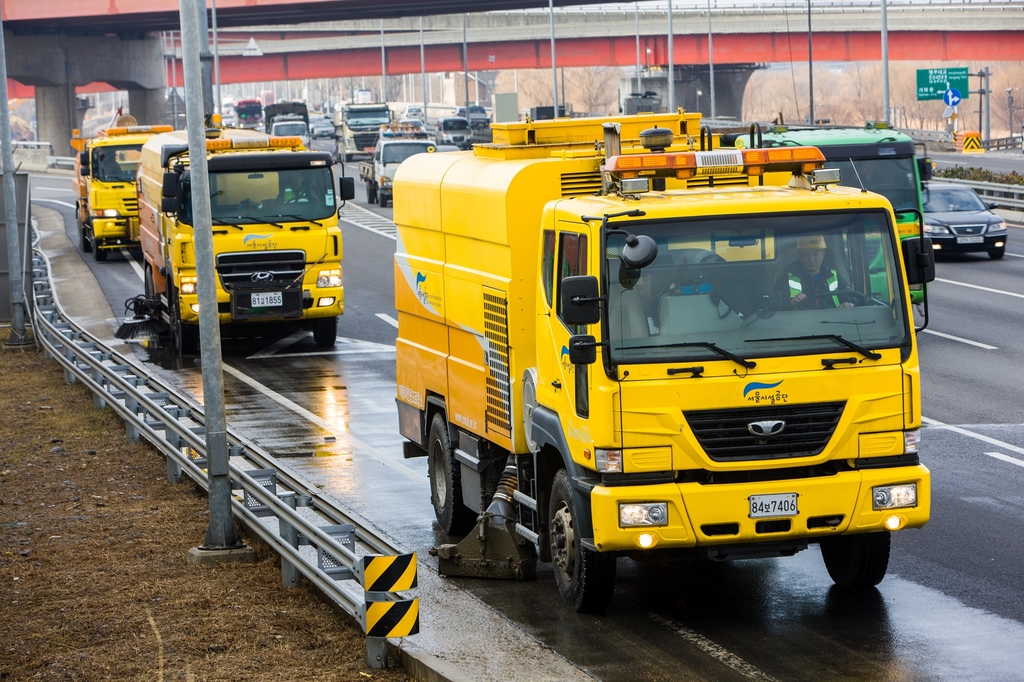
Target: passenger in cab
pixel 808 281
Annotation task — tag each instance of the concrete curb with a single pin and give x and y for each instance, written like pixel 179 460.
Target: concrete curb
pixel 423 666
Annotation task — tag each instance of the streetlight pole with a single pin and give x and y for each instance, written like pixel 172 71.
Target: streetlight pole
pixel 216 56
pixel 671 63
pixel 810 65
pixel 885 63
pixel 423 72
pixel 711 63
pixel 383 66
pixel 17 336
pixel 639 84
pixel 554 70
pixel 465 62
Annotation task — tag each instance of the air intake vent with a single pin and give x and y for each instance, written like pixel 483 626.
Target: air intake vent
pixel 726 435
pixel 581 184
pixel 499 394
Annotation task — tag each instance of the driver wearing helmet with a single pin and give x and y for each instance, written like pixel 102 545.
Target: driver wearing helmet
pixel 809 277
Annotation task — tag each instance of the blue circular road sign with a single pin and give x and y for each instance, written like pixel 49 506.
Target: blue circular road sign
pixel 951 97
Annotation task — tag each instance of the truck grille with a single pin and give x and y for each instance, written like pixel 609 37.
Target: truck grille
pixel 725 438
pixel 131 205
pixel 364 140
pixel 239 269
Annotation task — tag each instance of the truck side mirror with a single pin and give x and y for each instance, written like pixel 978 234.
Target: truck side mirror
pixel 580 300
pixel 347 188
pixel 84 170
pixel 83 159
pixel 169 205
pixel 170 187
pixel 924 168
pixel 582 349
pixel 919 260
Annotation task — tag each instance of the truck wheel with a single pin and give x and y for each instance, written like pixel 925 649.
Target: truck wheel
pixel 371 193
pixel 383 200
pixel 348 158
pixel 83 240
pixel 184 336
pixel 325 331
pixel 453 516
pixel 857 561
pixel 99 254
pixel 585 578
pixel 147 282
pixel 996 254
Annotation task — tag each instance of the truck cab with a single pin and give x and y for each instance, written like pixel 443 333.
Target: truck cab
pixel 107 209
pixel 395 145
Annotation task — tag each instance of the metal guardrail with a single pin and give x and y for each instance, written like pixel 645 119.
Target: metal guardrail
pixel 1007 196
pixel 1012 142
pixel 928 135
pixel 66 162
pixel 335 550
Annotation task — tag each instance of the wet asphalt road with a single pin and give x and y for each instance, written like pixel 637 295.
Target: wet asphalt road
pixel 951 607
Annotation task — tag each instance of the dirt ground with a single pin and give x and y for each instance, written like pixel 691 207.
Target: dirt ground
pixel 94 583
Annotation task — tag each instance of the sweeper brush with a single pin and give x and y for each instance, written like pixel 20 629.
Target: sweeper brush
pixel 143 321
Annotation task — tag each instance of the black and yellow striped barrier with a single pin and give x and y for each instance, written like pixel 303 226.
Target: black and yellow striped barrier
pixel 969 142
pixel 382 574
pixel 392 618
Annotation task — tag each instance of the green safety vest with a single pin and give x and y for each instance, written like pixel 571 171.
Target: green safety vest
pixel 795 287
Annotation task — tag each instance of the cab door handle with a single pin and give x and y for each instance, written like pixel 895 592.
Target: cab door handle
pixel 556 383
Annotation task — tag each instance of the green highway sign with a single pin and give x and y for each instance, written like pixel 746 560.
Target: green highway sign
pixel 932 83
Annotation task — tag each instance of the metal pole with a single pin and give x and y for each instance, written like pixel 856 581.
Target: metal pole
pixel 216 55
pixel 639 84
pixel 711 64
pixel 205 57
pixel 174 79
pixel 17 337
pixel 810 65
pixel 988 106
pixel 465 62
pixel 671 63
pixel 1009 108
pixel 423 72
pixel 383 66
pixel 476 85
pixel 885 63
pixel 554 72
pixel 221 533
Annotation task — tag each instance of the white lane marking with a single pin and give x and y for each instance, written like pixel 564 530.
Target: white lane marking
pixel 278 345
pixel 975 286
pixel 390 320
pixel 55 201
pixel 716 651
pixel 64 190
pixel 971 434
pixel 363 351
pixel 135 266
pixel 1006 458
pixel 368 450
pixel 368 220
pixel 1014 255
pixel 960 339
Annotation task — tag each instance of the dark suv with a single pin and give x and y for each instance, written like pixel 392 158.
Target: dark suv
pixel 958 221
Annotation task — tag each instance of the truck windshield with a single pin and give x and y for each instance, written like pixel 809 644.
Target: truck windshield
pixel 374 117
pixel 249 110
pixel 116 164
pixel 455 124
pixel 267 196
pixel 892 177
pixel 296 128
pixel 397 153
pixel 756 286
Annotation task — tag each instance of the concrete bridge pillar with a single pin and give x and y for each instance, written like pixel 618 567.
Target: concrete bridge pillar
pixel 147 106
pixel 730 83
pixel 56 64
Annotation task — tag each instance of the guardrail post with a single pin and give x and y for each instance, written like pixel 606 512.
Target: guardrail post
pixel 131 431
pixel 289 572
pixel 98 402
pixel 377 652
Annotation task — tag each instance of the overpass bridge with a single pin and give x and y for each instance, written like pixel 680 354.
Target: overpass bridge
pixel 844 30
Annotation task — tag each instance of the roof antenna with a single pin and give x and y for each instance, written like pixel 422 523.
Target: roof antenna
pixel 854 166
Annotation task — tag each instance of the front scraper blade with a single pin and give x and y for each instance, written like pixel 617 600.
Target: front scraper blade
pixel 492 550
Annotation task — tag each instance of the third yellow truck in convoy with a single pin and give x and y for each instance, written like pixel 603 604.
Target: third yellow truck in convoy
pixel 614 340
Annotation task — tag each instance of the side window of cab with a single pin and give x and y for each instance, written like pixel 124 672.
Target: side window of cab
pixel 547 266
pixel 572 261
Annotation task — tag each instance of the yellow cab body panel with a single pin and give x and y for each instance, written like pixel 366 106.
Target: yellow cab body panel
pixel 721 411
pixel 277 244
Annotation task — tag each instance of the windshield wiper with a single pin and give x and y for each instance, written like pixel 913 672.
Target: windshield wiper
pixel 220 221
pixel 300 219
pixel 866 352
pixel 253 221
pixel 749 364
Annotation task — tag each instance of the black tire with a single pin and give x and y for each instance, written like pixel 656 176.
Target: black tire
pixel 371 193
pixel 83 239
pixel 585 578
pixel 325 332
pixel 996 254
pixel 99 254
pixel 147 282
pixel 184 336
pixel 348 158
pixel 453 516
pixel 857 561
pixel 383 200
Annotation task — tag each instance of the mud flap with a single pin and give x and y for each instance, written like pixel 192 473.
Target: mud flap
pixel 492 550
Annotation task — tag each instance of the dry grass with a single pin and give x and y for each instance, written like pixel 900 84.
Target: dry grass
pixel 94 584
